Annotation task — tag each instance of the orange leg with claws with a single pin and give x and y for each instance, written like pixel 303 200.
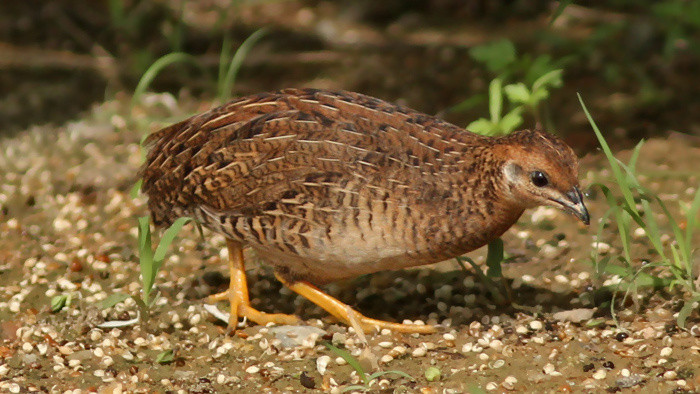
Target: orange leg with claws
pixel 237 295
pixel 346 314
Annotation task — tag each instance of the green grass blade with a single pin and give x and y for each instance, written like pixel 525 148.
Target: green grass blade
pixel 168 238
pixel 226 86
pixel 617 171
pixel 687 309
pixel 494 257
pixel 352 361
pixel 113 300
pixel 224 57
pixel 495 100
pixel 691 218
pixel 157 67
pixel 145 255
pixel 395 372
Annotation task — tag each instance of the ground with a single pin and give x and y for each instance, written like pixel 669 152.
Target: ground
pixel 68 227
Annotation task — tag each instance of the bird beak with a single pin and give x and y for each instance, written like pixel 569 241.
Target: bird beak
pixel 574 204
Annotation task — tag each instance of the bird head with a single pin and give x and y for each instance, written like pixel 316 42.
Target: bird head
pixel 541 169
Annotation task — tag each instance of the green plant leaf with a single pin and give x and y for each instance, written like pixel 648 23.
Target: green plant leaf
pixel 168 238
pixel 517 93
pixel 58 302
pixel 146 262
pixel 393 372
pixel 496 55
pixel 494 257
pixel 352 361
pixel 482 126
pixel 551 79
pixel 511 121
pixel 157 66
pixel 165 357
pixel 688 308
pixel 114 299
pixel 495 100
pixel 226 85
pixel 620 178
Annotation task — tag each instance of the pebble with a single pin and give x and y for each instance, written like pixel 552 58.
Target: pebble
pixel 27 347
pixel 418 352
pixel 670 375
pixel 625 372
pixel 600 374
pixel 386 359
pixel 252 369
pixel 491 386
pixel 665 352
pixel 536 325
pixel 322 364
pixel 385 344
pixel 496 345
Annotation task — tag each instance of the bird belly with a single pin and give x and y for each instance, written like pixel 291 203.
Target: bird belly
pixel 357 254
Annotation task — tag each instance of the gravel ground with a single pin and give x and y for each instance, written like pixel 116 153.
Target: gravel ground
pixel 68 227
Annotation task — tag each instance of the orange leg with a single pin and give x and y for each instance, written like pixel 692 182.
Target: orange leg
pixel 346 314
pixel 237 293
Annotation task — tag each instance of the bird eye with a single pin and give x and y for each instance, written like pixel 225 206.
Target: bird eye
pixel 539 179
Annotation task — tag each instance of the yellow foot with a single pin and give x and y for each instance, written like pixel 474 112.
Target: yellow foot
pixel 348 315
pixel 237 294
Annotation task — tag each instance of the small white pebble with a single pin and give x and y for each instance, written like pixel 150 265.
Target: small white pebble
pixel 449 337
pixel 322 364
pixel 600 374
pixel 681 382
pixel 252 369
pixel 386 359
pixel 548 368
pixel 536 325
pixel 386 331
pixel 107 361
pixel 221 378
pixel 521 329
pixel 498 364
pixel 467 347
pixel 4 369
pixel 418 352
pixel 483 356
pixel 95 335
pixel 385 344
pixel 340 361
pixel 496 345
pixel 490 386
pixel 665 352
pixel 511 379
pixel 27 347
pixel 98 352
pixel 670 375
pixel 625 372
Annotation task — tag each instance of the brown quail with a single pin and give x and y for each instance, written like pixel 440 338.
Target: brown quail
pixel 329 185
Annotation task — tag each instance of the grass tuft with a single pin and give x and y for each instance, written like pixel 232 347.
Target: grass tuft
pixel 673 265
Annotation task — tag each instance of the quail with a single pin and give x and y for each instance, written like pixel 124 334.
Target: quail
pixel 327 185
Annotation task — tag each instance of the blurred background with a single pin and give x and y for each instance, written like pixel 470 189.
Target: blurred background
pixel 635 62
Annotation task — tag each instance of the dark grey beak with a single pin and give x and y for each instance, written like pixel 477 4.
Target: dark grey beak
pixel 574 204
